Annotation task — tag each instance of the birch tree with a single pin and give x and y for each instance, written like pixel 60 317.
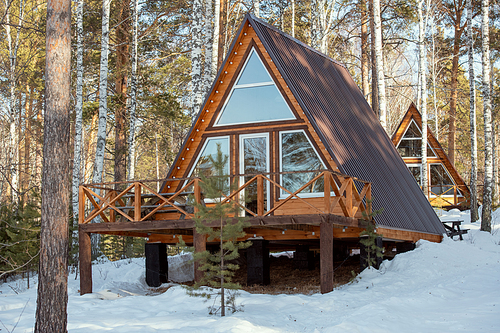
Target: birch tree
pixel 472 117
pixel 423 94
pixel 379 64
pixel 133 93
pixel 488 138
pixel 365 54
pixel 256 7
pixel 51 309
pixel 322 21
pixel 79 115
pixel 215 40
pixel 209 72
pixel 197 86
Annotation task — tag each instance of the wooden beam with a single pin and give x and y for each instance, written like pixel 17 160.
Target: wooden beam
pixel 326 256
pixel 406 235
pixel 200 245
pixel 85 262
pixel 150 226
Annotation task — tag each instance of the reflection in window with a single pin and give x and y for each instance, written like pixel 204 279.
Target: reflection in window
pixel 411 143
pixel 204 165
pixel 297 154
pixel 441 182
pixel 415 171
pixel 254 97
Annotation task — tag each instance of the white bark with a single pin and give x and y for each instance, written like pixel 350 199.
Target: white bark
pixel 423 95
pixel 256 7
pixel 488 142
pixel 209 37
pixel 79 114
pixel 379 64
pixel 215 41
pixel 322 21
pixel 293 18
pixel 12 82
pixel 434 97
pixel 103 94
pixel 472 117
pixel 133 94
pixel 197 86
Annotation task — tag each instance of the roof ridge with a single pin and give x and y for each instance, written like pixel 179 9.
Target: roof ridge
pixel 269 26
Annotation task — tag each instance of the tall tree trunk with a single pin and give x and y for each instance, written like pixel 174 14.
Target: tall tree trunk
pixel 75 183
pixel 454 94
pixel 209 72
pixel 379 64
pixel 103 113
pixel 375 105
pixel 222 30
pixel 293 18
pixel 434 97
pixel 365 53
pixel 423 93
pixel 122 58
pixel 196 57
pixel 474 216
pixel 215 38
pixel 27 144
pixel 133 92
pixel 488 122
pixel 51 310
pixel 256 7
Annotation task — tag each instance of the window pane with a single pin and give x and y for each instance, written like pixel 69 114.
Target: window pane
pixel 413 131
pixel 440 181
pixel 254 162
pixel 413 148
pixel 299 155
pixel 254 71
pixel 415 171
pixel 255 104
pixel 204 165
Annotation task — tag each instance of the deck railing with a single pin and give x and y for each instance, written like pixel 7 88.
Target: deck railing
pixel 455 195
pixel 138 201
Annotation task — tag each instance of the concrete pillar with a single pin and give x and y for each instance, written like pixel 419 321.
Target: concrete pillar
pixel 258 266
pixel 156 264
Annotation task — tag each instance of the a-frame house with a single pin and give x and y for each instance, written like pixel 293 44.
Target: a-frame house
pixel 308 152
pixel 446 188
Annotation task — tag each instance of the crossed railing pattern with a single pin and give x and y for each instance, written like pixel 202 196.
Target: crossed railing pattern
pixel 450 196
pixel 139 202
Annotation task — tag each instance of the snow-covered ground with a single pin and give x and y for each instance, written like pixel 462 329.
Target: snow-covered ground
pixel 447 287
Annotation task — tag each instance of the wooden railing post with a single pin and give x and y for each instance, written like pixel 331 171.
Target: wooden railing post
pixel 137 201
pixel 112 213
pixel 81 205
pixel 455 199
pixel 197 194
pixel 348 196
pixel 327 178
pixel 369 201
pixel 260 195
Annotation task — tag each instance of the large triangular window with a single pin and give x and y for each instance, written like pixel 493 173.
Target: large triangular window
pixel 411 143
pixel 254 98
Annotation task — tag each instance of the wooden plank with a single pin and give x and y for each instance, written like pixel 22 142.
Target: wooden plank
pixel 137 202
pixel 260 196
pixel 326 256
pixel 327 191
pixel 85 262
pixel 407 235
pixel 81 205
pixel 200 245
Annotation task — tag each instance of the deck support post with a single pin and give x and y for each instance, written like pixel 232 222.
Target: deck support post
pixel 303 259
pixel 200 245
pixel 156 264
pixel 362 257
pixel 258 265
pixel 85 263
pixel 326 256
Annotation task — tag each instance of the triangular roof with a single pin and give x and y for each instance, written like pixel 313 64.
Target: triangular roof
pixel 414 115
pixel 326 100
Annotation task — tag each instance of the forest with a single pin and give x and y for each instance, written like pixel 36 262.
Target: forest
pixel 140 71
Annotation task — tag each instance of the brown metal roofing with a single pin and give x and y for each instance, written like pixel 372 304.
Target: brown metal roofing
pixel 354 136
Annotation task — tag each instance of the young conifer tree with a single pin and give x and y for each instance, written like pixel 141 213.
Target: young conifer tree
pixel 220 221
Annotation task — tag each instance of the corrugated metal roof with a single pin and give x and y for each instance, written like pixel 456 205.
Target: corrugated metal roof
pixel 354 136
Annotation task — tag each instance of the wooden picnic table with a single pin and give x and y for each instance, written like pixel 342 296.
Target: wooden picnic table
pixel 454 229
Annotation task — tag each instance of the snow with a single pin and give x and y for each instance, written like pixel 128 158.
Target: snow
pixel 453 286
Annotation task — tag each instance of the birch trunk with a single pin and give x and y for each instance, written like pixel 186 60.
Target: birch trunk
pixel 209 72
pixel 365 54
pixel 51 309
pixel 293 18
pixel 79 117
pixel 322 20
pixel 423 95
pixel 215 36
pixel 133 93
pixel 196 57
pixel 374 94
pixel 256 7
pixel 379 64
pixel 103 113
pixel 103 94
pixel 488 142
pixel 474 216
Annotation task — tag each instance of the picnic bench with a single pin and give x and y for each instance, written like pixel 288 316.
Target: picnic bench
pixel 453 229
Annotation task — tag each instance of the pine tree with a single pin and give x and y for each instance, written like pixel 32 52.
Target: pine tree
pixel 219 220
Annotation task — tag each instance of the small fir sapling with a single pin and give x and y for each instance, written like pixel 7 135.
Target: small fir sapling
pixel 218 220
pixel 370 241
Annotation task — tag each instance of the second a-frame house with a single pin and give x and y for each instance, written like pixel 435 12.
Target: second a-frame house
pixel 308 153
pixel 446 188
